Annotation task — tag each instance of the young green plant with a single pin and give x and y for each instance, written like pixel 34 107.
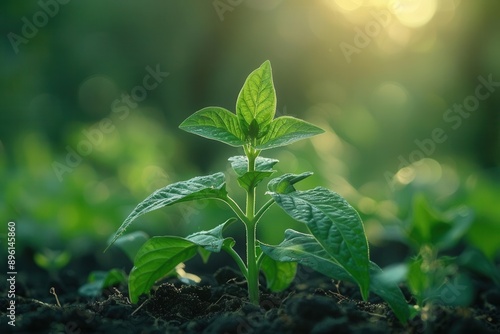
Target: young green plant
pixel 336 246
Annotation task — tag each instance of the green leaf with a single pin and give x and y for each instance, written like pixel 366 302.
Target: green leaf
pixel 286 130
pixel 443 230
pixel 475 260
pixel 395 273
pixel 305 249
pixel 215 123
pixel 279 275
pixel 256 103
pixel 201 187
pixel 204 254
pixel 418 280
pixel 114 276
pixel 228 244
pixel 52 260
pixel 239 164
pixel 335 225
pixel 211 240
pixel 247 180
pixel 389 292
pixel 458 222
pixel 250 180
pixel 99 280
pixel 284 183
pixel 156 258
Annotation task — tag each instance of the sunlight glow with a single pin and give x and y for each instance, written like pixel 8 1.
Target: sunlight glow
pixel 414 13
pixel 426 172
pixel 348 5
pixel 400 35
pixel 392 92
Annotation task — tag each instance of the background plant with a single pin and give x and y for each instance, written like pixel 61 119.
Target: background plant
pixel 51 260
pixel 440 268
pixel 337 245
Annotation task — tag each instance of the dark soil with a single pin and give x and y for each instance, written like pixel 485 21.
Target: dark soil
pixel 219 304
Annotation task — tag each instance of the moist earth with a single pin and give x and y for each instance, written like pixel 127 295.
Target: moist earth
pixel 219 304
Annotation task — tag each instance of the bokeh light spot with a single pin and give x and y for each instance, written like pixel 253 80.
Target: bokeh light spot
pixel 392 92
pixel 414 13
pixel 405 175
pixel 367 205
pixel 348 5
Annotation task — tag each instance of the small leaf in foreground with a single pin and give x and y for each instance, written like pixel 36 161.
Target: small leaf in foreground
pixel 250 180
pixel 211 240
pixel 278 274
pixel 99 280
pixel 156 258
pixel 239 164
pixel 284 183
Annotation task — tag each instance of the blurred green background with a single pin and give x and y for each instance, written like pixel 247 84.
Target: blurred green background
pixel 380 76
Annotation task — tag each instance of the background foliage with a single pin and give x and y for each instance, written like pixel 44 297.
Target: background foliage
pixel 375 103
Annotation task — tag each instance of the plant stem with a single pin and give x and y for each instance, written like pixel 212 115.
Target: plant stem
pixel 253 270
pixel 238 260
pixel 236 209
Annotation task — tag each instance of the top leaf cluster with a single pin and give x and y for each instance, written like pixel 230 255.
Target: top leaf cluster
pixel 254 124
